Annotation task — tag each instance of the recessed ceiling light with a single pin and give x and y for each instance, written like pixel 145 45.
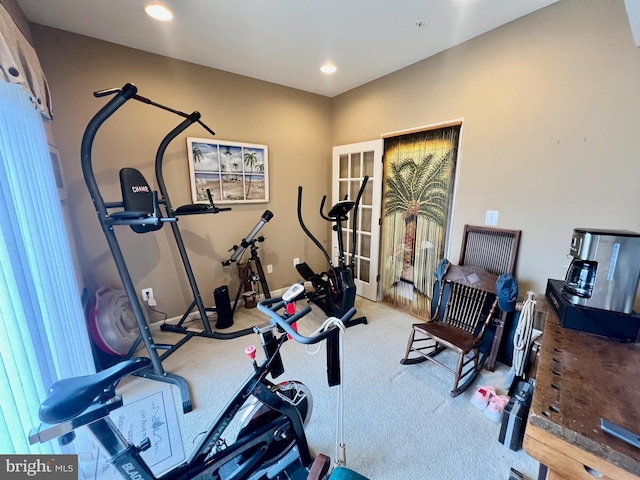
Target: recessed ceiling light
pixel 328 68
pixel 159 11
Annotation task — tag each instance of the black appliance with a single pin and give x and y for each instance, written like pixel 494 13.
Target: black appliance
pixel 615 325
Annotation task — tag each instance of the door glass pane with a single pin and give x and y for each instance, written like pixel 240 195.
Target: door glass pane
pixel 365 220
pixel 344 166
pixel 364 270
pixel 367 195
pixel 364 246
pixel 367 163
pixel 344 190
pixel 355 186
pixel 355 164
pixel 347 240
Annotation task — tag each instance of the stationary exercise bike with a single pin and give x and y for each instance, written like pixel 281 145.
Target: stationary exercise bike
pixel 270 442
pixel 334 290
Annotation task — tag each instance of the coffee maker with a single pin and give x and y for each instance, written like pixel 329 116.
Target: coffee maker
pixel 605 269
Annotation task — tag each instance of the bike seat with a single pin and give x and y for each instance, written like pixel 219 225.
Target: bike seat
pixel 69 397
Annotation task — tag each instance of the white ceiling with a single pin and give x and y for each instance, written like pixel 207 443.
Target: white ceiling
pixel 286 41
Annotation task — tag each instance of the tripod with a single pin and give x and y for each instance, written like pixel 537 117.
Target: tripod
pixel 238 250
pixel 248 276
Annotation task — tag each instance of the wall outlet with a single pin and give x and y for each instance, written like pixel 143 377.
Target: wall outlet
pixel 269 268
pixel 296 261
pixel 147 296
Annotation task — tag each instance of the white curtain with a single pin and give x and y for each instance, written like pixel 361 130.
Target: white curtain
pixel 43 335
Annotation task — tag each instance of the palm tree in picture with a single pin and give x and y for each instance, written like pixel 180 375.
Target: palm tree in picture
pixel 259 167
pixel 250 160
pixel 234 168
pixel 198 156
pixel 417 189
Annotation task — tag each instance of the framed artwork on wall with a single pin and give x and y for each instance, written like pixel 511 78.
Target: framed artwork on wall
pixel 233 172
pixel 57 172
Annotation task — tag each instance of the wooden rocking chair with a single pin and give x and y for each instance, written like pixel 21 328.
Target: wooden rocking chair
pixel 467 302
pixel 495 250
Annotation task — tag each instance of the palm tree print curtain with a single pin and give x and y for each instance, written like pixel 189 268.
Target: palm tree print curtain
pixel 419 174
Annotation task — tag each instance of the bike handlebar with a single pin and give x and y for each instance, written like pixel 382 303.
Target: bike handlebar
pixel 270 306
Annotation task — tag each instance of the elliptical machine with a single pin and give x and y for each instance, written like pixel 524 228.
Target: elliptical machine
pixel 334 291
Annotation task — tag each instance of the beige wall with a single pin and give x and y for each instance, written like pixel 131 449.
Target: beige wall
pixel 551 126
pixel 295 126
pixel 550 139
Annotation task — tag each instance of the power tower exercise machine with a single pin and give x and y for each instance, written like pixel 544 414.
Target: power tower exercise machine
pixel 147 218
pixel 334 290
pixel 141 209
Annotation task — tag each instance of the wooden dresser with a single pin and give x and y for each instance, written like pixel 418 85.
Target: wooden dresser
pixel 581 378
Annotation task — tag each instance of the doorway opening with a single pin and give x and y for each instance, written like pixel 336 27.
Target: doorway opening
pixel 418 189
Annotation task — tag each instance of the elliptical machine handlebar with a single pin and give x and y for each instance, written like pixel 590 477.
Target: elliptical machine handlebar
pixel 322 202
pixel 307 231
pixel 270 307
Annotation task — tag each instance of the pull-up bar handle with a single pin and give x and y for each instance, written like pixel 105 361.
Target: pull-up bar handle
pixel 140 98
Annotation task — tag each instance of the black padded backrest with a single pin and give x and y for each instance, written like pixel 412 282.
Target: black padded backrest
pixel 137 196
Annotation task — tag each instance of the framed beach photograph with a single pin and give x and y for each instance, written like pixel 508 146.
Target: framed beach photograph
pixel 57 172
pixel 233 172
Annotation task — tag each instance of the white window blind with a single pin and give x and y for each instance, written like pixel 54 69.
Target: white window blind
pixel 43 335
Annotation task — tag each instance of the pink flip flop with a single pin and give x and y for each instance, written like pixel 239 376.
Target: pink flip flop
pixel 482 397
pixel 495 408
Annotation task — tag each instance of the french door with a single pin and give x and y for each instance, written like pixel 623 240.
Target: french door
pixel 351 163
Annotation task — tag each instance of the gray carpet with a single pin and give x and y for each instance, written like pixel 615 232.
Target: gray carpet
pixel 400 421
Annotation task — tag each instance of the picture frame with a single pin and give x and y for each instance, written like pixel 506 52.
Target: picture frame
pixel 233 172
pixel 58 173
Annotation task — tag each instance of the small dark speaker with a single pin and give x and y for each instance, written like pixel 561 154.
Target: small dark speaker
pixel 223 307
